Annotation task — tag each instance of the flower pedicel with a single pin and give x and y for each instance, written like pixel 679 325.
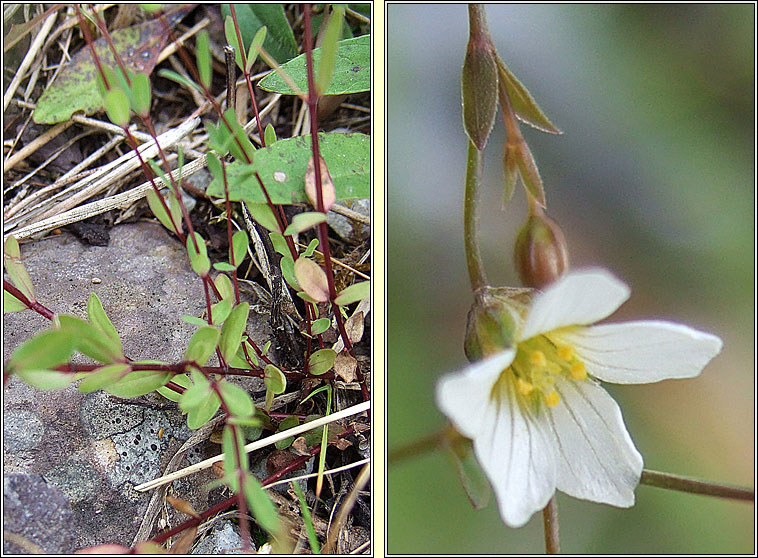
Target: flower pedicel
pixel 533 406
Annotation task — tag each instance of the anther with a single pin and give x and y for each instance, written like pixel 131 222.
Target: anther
pixel 537 358
pixel 551 399
pixel 578 371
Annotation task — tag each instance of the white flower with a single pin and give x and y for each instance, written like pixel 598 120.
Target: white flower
pixel 538 418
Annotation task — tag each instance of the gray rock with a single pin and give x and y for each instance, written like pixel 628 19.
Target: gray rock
pixel 92 449
pixel 35 514
pixel 349 229
pixel 22 430
pixel 223 538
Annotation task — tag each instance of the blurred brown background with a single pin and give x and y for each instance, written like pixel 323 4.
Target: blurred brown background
pixel 654 179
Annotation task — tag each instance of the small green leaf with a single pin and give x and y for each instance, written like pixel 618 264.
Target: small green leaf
pixel 16 269
pixel 238 249
pixel 220 311
pixel 269 134
pixel 354 293
pixel 201 414
pixel 181 380
pixel 194 320
pixel 260 504
pixel 46 379
pixel 103 376
pixel 241 147
pixel 180 79
pixel 224 286
pixel 223 266
pixel 160 213
pixel 329 44
pixel 45 350
pixel 352 71
pixel 98 318
pixel 321 361
pixel 252 54
pixel 202 45
pixel 286 424
pixel 139 382
pixel 231 38
pixel 231 332
pixel 90 340
pixel 195 394
pixel 279 243
pixel 231 452
pixel 274 379
pixel 141 94
pixel 312 279
pixel 523 103
pixel 198 259
pixel 12 304
pixel 117 107
pixel 288 271
pixel 263 215
pixel 320 326
pixel 304 221
pixel 202 345
pixel 311 248
pixel 237 399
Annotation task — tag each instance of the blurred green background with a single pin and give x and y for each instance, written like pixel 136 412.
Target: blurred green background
pixel 654 179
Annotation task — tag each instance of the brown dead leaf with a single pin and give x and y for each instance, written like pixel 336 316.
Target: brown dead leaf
pixel 345 365
pixel 300 447
pixel 354 327
pixel 183 506
pixel 184 543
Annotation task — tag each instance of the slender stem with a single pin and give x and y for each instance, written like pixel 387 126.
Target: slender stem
pixel 32 304
pixel 696 486
pixel 470 237
pixel 550 523
pixel 417 447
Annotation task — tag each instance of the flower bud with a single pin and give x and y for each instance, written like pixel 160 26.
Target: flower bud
pixel 493 320
pixel 540 252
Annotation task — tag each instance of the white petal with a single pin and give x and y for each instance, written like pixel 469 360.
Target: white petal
pixel 463 396
pixel 516 454
pixel 642 352
pixel 579 298
pixel 596 458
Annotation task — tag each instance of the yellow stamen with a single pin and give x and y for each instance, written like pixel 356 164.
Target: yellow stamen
pixel 578 371
pixel 566 353
pixel 538 358
pixel 524 388
pixel 552 399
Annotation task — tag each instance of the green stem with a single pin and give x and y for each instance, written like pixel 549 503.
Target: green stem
pixel 696 486
pixel 470 237
pixel 417 447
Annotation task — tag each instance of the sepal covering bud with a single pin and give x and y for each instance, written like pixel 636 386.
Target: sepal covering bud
pixel 494 320
pixel 540 252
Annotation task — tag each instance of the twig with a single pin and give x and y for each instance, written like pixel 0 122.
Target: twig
pixel 34 145
pixel 354 410
pixel 347 506
pixel 31 54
